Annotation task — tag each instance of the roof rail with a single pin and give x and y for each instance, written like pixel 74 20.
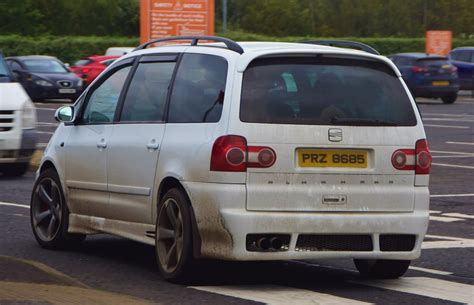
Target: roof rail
pixel 230 44
pixel 344 44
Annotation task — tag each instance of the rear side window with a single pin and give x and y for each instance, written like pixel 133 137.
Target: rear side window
pixel 146 96
pixel 82 62
pixel 324 91
pixel 463 55
pixel 198 90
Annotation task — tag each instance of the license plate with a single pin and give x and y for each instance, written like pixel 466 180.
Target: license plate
pixel 67 90
pixel 440 83
pixel 332 158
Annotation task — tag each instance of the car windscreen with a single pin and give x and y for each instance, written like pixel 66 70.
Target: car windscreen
pixel 324 90
pixel 44 66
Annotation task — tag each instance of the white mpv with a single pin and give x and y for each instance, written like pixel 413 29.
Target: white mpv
pixel 241 151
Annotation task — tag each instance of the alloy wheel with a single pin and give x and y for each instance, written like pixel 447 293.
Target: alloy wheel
pixel 47 209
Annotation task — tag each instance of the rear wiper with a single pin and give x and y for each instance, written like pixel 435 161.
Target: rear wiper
pixel 362 122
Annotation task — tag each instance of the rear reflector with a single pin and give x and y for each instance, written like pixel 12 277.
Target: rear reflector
pixel 231 154
pixel 418 159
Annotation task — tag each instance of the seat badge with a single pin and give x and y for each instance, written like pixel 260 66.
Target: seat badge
pixel 335 134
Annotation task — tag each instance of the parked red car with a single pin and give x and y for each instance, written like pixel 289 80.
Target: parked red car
pixel 88 68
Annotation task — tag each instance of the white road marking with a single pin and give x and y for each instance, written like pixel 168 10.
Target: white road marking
pixel 45 132
pixel 41 145
pixel 458 156
pixel 446 126
pixel 427 270
pixel 42 108
pixel 435 212
pixel 459 143
pixel 15 205
pixel 277 295
pixel 429 287
pixel 47 124
pixel 458 119
pixel 443 237
pixel 448 114
pixel 445 219
pixel 459 215
pixel 466 243
pixel 451 195
pixel 453 165
pixel 450 152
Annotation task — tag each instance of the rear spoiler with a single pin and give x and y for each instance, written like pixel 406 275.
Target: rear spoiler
pixel 344 44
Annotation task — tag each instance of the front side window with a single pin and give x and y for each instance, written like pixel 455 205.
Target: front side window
pixel 146 96
pixel 102 101
pixel 198 90
pixel 324 91
pixel 44 66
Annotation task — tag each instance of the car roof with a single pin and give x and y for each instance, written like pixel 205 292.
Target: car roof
pixel 463 48
pixel 419 55
pixel 26 57
pixel 101 57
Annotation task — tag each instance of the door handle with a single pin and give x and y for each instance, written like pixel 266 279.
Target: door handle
pixel 102 144
pixel 153 144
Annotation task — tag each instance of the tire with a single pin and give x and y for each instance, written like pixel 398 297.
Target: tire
pixel 49 215
pixel 449 99
pixel 381 268
pixel 173 237
pixel 14 170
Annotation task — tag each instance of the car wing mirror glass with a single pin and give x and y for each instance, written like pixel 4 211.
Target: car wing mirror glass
pixel 65 114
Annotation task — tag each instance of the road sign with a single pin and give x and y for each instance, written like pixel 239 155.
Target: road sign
pixel 438 42
pixel 162 18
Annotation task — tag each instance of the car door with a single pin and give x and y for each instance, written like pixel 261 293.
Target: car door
pixel 87 144
pixel 136 138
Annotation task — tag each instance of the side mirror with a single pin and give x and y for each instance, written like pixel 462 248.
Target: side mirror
pixel 65 114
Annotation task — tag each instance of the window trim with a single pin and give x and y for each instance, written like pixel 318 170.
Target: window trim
pixel 120 65
pixel 147 58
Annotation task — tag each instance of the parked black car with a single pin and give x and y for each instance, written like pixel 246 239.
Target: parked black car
pixel 429 76
pixel 463 59
pixel 45 77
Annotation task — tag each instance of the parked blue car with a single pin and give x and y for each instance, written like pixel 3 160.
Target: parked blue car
pixel 431 76
pixel 463 59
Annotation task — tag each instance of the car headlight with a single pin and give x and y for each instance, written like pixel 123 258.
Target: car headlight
pixel 28 116
pixel 43 83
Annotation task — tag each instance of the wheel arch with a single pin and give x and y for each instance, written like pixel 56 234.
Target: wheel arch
pixel 172 182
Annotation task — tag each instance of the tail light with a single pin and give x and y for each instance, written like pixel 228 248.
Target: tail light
pixel 417 69
pixel 423 157
pixel 231 154
pixel 85 70
pixel 418 159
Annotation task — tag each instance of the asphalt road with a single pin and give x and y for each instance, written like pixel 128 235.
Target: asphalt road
pixel 106 267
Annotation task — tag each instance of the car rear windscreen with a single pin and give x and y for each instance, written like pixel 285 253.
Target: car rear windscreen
pixel 324 90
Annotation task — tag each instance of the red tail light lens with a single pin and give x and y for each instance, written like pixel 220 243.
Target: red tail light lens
pixel 227 154
pixel 85 70
pixel 260 156
pixel 231 154
pixel 423 157
pixel 418 159
pixel 404 159
pixel 416 69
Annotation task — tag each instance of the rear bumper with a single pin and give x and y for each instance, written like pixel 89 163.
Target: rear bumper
pixel 18 146
pixel 435 91
pixel 223 223
pixel 37 93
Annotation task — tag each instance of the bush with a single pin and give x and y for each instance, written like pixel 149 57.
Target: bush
pixel 66 48
pixel 71 48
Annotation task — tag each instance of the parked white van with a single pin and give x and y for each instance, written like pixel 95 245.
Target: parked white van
pixel 17 125
pixel 242 151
